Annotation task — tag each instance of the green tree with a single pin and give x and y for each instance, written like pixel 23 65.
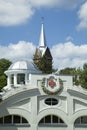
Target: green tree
pixel 76 73
pixel 84 66
pixel 4 64
pixel 83 76
pixel 68 71
pixel 44 65
pixel 3 81
pixel 79 75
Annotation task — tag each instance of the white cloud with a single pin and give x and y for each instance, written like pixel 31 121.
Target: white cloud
pixel 21 50
pixel 15 12
pixel 69 38
pixel 82 14
pixel 69 55
pixel 64 54
pixel 56 3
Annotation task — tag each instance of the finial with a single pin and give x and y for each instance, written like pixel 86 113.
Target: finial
pixel 42 42
pixel 42 20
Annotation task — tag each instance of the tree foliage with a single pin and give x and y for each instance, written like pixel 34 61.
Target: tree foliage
pixel 44 65
pixel 79 75
pixel 67 71
pixel 83 77
pixel 4 64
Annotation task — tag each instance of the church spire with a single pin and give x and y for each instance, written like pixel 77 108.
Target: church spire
pixel 43 57
pixel 42 41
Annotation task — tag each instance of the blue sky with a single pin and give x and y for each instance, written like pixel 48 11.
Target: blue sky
pixel 65 25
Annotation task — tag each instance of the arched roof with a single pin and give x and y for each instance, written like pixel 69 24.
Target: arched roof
pixel 24 65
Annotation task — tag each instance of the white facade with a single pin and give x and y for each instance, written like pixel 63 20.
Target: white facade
pixel 34 101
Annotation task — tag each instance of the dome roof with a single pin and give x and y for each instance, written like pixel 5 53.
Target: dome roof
pixel 24 65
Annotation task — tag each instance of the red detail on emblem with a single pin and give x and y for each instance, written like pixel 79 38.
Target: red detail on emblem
pixel 52 83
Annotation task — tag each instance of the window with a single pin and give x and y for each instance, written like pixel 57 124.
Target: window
pixel 21 79
pixel 13 119
pixel 51 101
pixel 16 119
pixel 51 120
pixel 81 121
pixel 8 119
pixel 23 120
pixel 47 119
pixel 55 119
pixel 1 120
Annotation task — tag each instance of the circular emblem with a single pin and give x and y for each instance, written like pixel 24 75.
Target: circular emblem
pixel 51 85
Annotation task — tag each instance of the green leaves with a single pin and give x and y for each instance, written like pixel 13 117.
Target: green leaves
pixel 44 64
pixel 79 75
pixel 4 64
pixel 3 81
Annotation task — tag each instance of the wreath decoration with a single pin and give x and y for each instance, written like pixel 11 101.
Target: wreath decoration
pixel 47 91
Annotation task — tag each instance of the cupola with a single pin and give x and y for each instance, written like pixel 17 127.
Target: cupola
pixel 18 73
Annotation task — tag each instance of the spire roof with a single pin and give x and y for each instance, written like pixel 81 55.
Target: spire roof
pixel 42 41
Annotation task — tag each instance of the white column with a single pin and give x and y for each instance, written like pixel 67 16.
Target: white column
pixel 25 78
pixel 34 112
pixel 29 77
pixel 70 112
pixel 34 127
pixel 70 127
pixel 15 79
pixel 9 80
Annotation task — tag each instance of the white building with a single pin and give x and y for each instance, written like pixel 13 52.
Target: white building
pixel 35 101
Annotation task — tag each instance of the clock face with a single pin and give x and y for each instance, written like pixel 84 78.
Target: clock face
pixel 51 85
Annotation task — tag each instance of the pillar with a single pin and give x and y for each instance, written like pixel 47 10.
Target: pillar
pixel 70 127
pixel 15 79
pixel 9 80
pixel 25 78
pixel 34 113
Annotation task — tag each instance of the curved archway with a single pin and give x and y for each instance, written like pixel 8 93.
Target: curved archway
pixel 52 111
pixel 78 114
pixel 13 119
pixel 51 120
pixel 81 121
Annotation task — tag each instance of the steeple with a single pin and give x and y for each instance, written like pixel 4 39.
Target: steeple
pixel 42 41
pixel 42 57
